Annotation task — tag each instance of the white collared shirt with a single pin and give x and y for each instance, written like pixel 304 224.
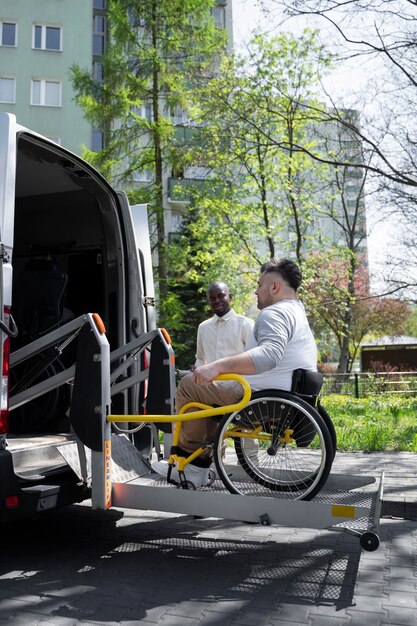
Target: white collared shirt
pixel 218 337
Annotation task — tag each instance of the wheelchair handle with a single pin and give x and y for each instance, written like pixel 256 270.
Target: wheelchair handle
pixel 206 410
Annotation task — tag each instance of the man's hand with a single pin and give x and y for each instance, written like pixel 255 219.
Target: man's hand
pixel 205 374
pixel 239 364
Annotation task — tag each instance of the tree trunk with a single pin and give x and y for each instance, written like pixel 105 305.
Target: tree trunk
pixel 161 277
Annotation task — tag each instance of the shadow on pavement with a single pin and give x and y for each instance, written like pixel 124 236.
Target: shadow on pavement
pixel 113 566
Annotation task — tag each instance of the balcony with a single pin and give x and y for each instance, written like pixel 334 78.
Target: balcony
pixel 185 135
pixel 182 189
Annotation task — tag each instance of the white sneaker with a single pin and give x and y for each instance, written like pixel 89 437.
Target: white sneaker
pixel 199 476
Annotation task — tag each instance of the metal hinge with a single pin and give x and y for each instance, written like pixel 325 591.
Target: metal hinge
pixel 148 300
pixel 4 254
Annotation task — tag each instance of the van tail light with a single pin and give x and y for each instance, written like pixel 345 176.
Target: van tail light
pixel 4 381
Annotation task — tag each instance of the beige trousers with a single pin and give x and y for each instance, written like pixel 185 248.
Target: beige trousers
pixel 196 432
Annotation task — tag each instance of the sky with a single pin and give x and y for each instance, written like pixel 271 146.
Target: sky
pixel 247 16
pixel 352 77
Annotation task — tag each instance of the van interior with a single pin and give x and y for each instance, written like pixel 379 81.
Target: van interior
pixel 67 261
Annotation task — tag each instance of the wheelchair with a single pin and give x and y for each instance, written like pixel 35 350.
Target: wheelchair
pixel 279 443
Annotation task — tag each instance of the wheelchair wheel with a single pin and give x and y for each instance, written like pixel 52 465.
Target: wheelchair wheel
pixel 277 445
pixel 330 426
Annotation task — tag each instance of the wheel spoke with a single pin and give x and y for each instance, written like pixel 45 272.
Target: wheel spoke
pixel 278 445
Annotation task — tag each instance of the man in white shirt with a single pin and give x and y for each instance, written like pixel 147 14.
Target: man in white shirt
pixel 282 343
pixel 224 334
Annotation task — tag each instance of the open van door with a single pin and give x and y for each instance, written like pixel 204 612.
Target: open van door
pixel 68 246
pixel 140 304
pixel 7 203
pixel 142 315
pixel 139 214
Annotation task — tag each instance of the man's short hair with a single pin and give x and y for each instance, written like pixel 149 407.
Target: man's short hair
pixel 289 271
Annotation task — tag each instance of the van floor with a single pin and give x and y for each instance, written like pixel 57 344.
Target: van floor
pixel 39 453
pixel 23 442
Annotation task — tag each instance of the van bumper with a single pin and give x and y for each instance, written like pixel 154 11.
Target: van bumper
pixel 22 499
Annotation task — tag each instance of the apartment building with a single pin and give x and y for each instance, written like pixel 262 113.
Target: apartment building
pixel 39 41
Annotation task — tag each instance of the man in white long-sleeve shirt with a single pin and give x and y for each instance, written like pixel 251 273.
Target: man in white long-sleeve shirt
pixel 224 334
pixel 282 343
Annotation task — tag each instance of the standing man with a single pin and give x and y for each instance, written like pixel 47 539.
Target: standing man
pixel 283 342
pixel 224 334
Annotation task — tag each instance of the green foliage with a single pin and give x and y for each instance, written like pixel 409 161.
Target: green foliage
pixel 411 324
pixel 264 190
pixel 157 52
pixel 260 196
pixel 193 306
pixel 192 268
pixel 155 56
pixel 374 424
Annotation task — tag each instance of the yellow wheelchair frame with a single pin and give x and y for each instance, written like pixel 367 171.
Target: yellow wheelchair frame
pixel 185 415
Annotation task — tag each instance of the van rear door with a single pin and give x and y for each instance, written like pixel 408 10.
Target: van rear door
pixel 140 293
pixel 7 179
pixel 7 198
pixel 139 214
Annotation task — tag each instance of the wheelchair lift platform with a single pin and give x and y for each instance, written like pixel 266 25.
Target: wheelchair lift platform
pixel 349 504
pixel 118 474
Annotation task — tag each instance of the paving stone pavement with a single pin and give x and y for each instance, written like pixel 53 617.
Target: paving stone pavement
pixel 400 478
pixel 82 567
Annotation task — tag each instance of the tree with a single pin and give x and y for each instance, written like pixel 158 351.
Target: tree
pixel 351 312
pixel 264 195
pixel 186 305
pixel 157 52
pixel 330 295
pixel 346 211
pixel 411 326
pixel 267 196
pixel 380 37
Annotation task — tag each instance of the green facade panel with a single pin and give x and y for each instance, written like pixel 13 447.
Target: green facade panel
pixel 49 68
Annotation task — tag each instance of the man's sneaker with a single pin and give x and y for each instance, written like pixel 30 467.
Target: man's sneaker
pixel 199 476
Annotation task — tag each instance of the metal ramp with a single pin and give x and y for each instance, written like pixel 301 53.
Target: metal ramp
pixel 348 509
pixel 347 503
pixel 127 462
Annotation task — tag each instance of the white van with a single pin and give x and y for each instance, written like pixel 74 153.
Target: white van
pixel 70 245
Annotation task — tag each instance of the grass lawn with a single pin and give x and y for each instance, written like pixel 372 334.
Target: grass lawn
pixel 374 424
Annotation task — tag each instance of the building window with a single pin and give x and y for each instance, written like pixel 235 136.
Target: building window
pixel 177 220
pixel 7 90
pixel 46 93
pixel 143 176
pixel 99 4
pixel 8 34
pixel 47 37
pixel 179 116
pixel 143 111
pixel 97 140
pixel 147 112
pixel 99 34
pixel 219 16
pixel 97 71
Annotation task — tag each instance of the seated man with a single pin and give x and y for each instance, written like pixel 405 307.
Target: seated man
pixel 282 342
